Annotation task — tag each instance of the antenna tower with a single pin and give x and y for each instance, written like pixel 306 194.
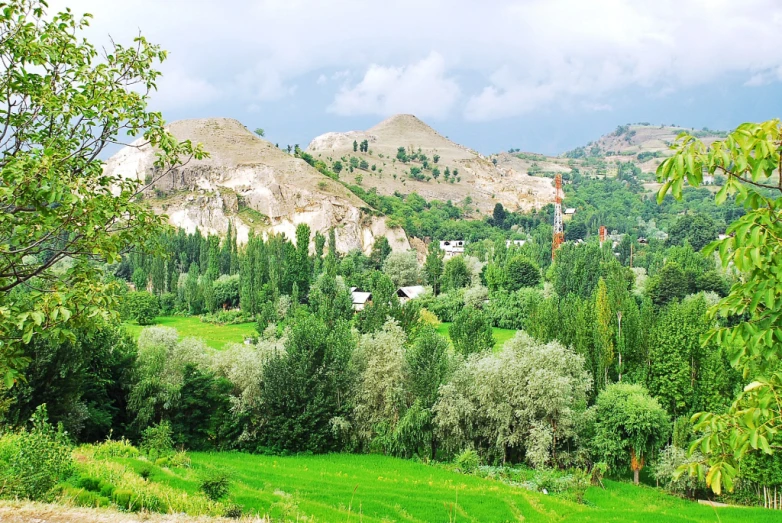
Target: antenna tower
pixel 603 234
pixel 559 234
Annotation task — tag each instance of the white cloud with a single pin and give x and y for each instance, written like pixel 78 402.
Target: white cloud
pixel 421 88
pixel 514 56
pixel 177 90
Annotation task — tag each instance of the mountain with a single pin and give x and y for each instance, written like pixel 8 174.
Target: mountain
pixel 478 178
pixel 249 181
pixel 644 144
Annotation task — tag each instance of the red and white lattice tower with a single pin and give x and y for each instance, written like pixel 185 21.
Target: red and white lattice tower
pixel 559 231
pixel 603 234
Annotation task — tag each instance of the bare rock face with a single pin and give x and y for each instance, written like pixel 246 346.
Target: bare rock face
pixel 254 185
pixel 478 178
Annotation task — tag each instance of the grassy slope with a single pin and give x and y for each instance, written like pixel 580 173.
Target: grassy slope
pixel 215 336
pixel 500 335
pixel 336 487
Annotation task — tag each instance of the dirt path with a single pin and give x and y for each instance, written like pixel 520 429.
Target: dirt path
pixel 25 512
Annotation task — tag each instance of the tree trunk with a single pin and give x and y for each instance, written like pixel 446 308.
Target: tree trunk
pixel 636 479
pixel 434 447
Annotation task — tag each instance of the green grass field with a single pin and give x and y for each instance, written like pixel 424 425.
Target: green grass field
pixel 215 336
pixel 373 488
pixel 500 335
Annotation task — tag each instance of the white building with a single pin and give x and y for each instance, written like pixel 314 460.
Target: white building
pixel 452 247
pixel 360 299
pixel 409 293
pixel 517 243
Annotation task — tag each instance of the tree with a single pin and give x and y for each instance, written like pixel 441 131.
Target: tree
pixel 604 332
pixel 630 427
pixel 355 146
pixel 456 274
pixel 696 229
pixel 750 158
pixel 524 400
pixel 337 167
pixel 380 251
pixel 428 367
pixel 520 272
pixel 670 283
pixel 141 306
pixel 575 231
pixel 66 103
pixel 499 215
pixel 433 267
pixel 402 268
pixel 306 388
pixel 436 158
pixel 471 332
pixel 260 132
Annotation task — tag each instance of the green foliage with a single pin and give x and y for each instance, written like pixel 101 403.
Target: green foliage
pixel 141 306
pixel 33 461
pixel 630 427
pixel 84 383
pixel 303 389
pixel 467 461
pixel 471 332
pixel 156 440
pixel 215 486
pixel 750 158
pixel 696 229
pixel 54 185
pixel 456 275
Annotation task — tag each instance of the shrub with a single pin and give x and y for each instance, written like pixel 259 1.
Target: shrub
pixel 123 498
pixel 428 317
pixel 33 462
pixel 156 440
pixel 141 306
pixel 146 472
pixel 115 449
pixel 215 485
pixel 89 483
pixel 233 511
pixel 467 462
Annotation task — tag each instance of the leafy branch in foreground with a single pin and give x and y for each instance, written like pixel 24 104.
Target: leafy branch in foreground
pixel 750 159
pixel 62 102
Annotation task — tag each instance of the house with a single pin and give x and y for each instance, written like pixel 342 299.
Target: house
pixel 360 299
pixel 568 213
pixel 452 248
pixel 406 294
pixel 517 243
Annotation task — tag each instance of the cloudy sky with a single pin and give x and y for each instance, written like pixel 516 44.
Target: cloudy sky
pixel 540 75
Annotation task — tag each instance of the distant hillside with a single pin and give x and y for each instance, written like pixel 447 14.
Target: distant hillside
pixel 249 181
pixel 429 164
pixel 644 144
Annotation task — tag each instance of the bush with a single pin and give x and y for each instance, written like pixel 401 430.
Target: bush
pixel 33 462
pixel 229 317
pixel 167 303
pixel 215 486
pixel 467 462
pixel 115 449
pixel 471 332
pixel 141 306
pixel 428 318
pixel 156 440
pixel 233 511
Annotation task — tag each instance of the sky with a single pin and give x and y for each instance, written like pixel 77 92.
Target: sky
pixel 539 75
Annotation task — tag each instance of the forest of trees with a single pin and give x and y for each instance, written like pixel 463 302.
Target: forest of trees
pixel 659 349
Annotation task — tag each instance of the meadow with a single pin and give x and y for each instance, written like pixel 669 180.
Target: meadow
pixel 215 336
pixel 375 488
pixel 500 335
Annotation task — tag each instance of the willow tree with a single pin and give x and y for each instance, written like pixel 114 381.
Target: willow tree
pixel 62 102
pixel 749 159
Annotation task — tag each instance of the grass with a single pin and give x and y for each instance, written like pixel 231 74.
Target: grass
pixel 374 488
pixel 215 336
pixel 500 335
